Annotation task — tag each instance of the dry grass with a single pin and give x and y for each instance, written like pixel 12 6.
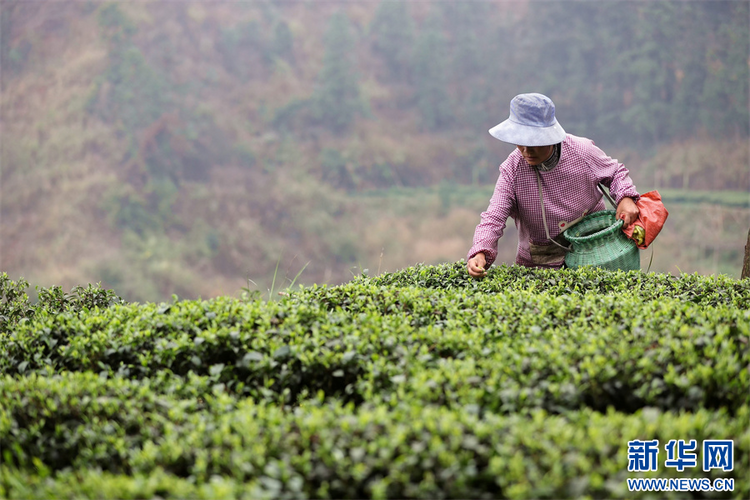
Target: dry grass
pixel 410 230
pixel 52 228
pixel 706 165
pixel 59 164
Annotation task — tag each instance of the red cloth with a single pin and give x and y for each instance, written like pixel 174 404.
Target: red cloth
pixel 652 216
pixel 569 189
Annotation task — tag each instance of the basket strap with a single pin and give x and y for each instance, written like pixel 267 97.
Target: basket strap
pixel 544 214
pixel 607 195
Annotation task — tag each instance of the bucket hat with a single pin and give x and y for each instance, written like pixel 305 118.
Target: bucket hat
pixel 532 122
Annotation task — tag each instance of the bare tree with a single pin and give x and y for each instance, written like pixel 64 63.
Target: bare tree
pixel 746 262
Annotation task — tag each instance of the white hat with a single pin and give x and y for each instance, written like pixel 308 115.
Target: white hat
pixel 532 122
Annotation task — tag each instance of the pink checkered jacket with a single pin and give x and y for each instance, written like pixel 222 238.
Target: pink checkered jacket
pixel 569 190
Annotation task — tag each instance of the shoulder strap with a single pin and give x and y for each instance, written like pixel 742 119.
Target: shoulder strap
pixel 607 195
pixel 544 214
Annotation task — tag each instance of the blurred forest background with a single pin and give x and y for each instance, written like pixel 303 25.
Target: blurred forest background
pixel 189 147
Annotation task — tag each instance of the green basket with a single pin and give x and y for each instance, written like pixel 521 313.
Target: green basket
pixel 598 241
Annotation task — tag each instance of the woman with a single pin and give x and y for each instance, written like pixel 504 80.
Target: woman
pixel 547 184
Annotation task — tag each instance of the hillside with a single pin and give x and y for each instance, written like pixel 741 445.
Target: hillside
pixel 187 147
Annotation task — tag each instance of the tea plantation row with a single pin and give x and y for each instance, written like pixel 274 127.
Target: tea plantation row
pixel 421 383
pixel 363 342
pixel 139 430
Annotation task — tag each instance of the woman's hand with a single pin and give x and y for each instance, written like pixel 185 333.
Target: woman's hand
pixel 476 265
pixel 627 211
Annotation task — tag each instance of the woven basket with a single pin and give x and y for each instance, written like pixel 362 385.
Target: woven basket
pixel 598 241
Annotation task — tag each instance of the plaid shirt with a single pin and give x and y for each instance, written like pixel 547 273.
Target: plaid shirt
pixel 569 189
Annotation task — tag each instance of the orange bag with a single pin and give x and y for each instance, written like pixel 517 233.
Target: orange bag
pixel 653 214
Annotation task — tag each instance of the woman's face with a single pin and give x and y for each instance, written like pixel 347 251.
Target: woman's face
pixel 535 155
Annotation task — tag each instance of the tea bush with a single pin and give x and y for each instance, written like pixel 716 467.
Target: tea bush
pixel 420 383
pixel 15 306
pixel 703 290
pixel 358 342
pixel 328 449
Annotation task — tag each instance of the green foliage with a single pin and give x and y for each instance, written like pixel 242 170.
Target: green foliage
pixel 469 51
pixel 643 72
pixel 322 450
pixel 420 383
pixel 14 302
pixel 248 49
pixel 130 94
pixel 702 290
pixel 244 49
pixel 5 39
pixel 283 42
pixel 430 75
pixel 355 341
pixel 15 306
pixel 128 210
pixel 245 155
pixel 54 300
pixel 392 34
pixel 15 58
pixel 294 116
pixel 336 170
pixel 739 199
pixel 630 70
pixel 725 92
pixel 93 483
pixel 337 99
pixel 115 21
pixel 651 73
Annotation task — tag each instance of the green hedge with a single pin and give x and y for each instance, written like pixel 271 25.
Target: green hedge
pixel 363 342
pixel 423 383
pixel 328 449
pixel 96 484
pixel 86 419
pixel 698 289
pixel 15 307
